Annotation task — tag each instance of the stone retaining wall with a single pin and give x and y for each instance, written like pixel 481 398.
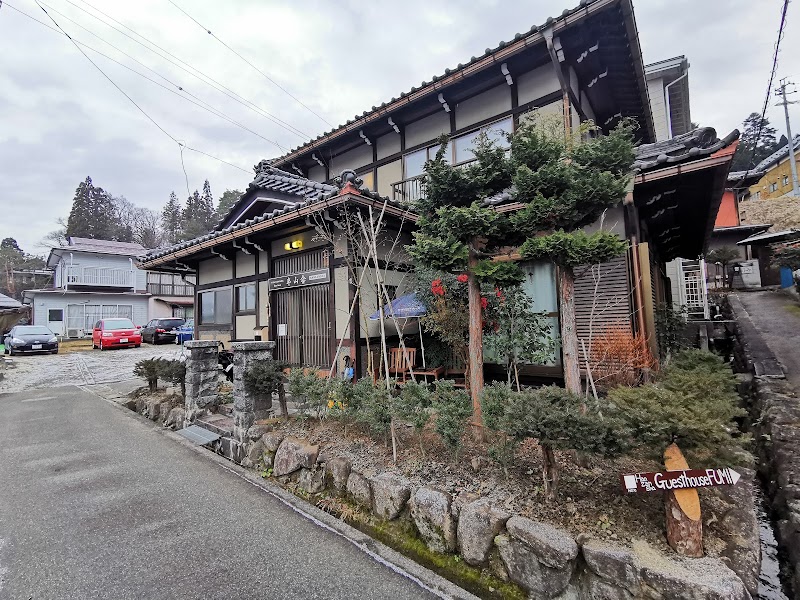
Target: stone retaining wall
pixel 775 414
pixel 545 561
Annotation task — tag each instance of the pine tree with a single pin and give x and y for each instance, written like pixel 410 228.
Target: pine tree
pixel 193 224
pixel 171 219
pixel 226 202
pixel 92 213
pixel 752 147
pixel 206 213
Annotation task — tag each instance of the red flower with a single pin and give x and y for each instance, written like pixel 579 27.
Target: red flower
pixel 499 292
pixel 484 303
pixel 437 288
pixel 463 278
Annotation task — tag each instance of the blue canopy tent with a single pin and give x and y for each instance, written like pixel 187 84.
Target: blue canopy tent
pixel 405 307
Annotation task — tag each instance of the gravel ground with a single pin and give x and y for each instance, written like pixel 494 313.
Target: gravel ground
pixel 33 371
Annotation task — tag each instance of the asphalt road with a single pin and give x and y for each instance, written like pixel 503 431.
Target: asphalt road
pixel 95 503
pixel 777 317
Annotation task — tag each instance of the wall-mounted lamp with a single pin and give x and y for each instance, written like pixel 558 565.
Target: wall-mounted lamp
pixel 504 71
pixel 394 125
pixel 293 245
pixel 444 103
pixel 365 138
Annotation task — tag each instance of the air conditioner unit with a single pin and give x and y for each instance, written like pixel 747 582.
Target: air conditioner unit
pixel 75 333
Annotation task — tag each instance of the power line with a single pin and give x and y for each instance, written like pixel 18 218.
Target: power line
pixel 132 101
pixel 768 92
pixel 200 102
pixel 193 71
pixel 270 79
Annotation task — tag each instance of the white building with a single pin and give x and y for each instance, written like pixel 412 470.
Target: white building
pixel 96 279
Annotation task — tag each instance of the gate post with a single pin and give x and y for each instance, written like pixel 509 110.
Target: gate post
pixel 201 378
pixel 248 408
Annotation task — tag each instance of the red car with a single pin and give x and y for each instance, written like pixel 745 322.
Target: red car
pixel 108 333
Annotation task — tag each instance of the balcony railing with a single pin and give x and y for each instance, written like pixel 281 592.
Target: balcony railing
pixel 98 276
pixel 169 289
pixel 409 190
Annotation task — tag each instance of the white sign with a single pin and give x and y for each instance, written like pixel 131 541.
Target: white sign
pixel 281 329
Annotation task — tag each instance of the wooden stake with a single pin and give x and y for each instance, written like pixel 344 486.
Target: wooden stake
pixel 475 354
pixel 569 333
pixel 682 507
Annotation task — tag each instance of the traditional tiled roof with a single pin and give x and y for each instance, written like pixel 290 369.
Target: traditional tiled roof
pixel 777 156
pixel 106 246
pixel 698 143
pixel 271 178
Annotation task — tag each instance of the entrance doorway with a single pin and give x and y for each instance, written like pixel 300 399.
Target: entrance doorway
pixel 302 314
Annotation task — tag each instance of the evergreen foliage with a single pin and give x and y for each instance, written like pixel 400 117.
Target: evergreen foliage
pixel 171 219
pixel 693 404
pixel 574 249
pixel 150 370
pixel 173 371
pixel 226 202
pixel 13 258
pixel 788 256
pixel 453 407
pixel 92 214
pixel 754 148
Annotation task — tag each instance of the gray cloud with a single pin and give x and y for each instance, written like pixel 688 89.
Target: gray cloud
pixel 61 120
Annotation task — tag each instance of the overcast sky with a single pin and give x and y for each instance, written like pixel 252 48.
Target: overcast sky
pixel 61 120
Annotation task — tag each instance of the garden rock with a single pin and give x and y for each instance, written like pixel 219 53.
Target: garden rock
pixel 175 418
pixel 479 523
pixel 312 480
pixel 389 495
pixel 254 453
pixel 612 563
pixel 272 440
pixel 358 487
pixel 337 471
pixel 293 454
pixel 430 509
pixel 152 408
pixel 538 557
pixel 141 404
pixel 257 431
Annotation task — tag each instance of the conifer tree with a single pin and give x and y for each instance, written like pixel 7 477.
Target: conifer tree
pixel 92 213
pixel 226 202
pixel 206 212
pixel 171 219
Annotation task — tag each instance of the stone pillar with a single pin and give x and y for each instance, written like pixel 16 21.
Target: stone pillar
pixel 201 378
pixel 248 408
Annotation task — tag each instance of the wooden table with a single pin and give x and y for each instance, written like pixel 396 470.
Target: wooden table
pixel 436 373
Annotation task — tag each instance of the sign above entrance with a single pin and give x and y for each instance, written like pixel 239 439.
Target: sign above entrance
pixel 315 277
pixel 679 480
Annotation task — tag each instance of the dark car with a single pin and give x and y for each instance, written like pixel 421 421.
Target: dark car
pixel 161 330
pixel 30 338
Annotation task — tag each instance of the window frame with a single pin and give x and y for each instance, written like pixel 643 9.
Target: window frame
pixel 216 322
pixel 246 310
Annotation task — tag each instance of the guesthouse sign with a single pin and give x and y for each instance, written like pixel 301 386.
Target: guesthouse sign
pixel 679 480
pixel 306 278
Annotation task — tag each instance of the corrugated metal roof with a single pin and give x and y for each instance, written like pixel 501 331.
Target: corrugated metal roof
pixel 106 246
pixel 777 156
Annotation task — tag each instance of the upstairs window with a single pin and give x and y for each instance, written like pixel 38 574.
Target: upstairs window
pixel 785 180
pixel 773 187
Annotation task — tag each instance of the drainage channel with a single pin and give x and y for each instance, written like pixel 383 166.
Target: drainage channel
pixel 770 584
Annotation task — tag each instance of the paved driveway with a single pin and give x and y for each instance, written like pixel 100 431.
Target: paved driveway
pixel 79 368
pixel 96 503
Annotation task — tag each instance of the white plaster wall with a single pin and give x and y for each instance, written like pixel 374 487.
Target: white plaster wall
pixel 536 83
pixel 483 106
pixel 352 159
pixel 387 175
pixel 388 144
pixel 427 129
pixel 214 270
pixel 245 264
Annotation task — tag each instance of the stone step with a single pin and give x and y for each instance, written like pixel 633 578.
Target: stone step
pixel 226 409
pixel 221 424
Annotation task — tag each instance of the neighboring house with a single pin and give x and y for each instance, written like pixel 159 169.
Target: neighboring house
pixel 584 64
pixel 95 279
pixel 668 89
pixel 11 312
pixel 777 174
pixel 762 246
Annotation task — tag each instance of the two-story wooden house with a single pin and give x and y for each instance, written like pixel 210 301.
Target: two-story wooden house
pixel 585 64
pixel 95 279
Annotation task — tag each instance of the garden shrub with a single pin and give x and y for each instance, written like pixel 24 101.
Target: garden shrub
pixel 453 408
pixel 309 392
pixel 150 370
pixel 174 371
pixel 413 405
pixel 671 330
pixel 693 404
pixel 265 377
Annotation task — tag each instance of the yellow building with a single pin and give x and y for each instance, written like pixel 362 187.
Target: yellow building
pixel 777 179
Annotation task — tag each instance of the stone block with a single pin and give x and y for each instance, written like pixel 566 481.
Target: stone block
pixel 359 489
pixel 612 563
pixel 271 440
pixel 597 588
pixel 525 568
pixel 337 471
pixel 554 547
pixel 478 524
pixel 293 454
pixel 389 495
pixel 312 480
pixel 175 418
pixel 152 409
pixel 430 509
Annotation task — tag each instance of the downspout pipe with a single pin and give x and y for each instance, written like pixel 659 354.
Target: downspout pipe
pixel 666 102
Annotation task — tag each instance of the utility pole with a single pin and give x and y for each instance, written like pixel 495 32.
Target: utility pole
pixel 781 91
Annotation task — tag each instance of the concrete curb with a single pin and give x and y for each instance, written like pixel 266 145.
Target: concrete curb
pixel 379 552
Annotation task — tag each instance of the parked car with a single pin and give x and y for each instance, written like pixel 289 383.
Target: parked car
pixel 108 333
pixel 30 338
pixel 161 330
pixel 185 332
